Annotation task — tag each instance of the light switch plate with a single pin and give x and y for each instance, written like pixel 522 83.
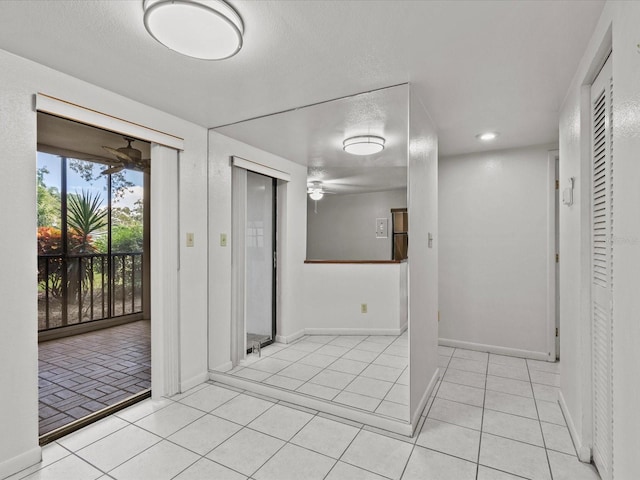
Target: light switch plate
pixel 223 239
pixel 382 227
pixel 189 239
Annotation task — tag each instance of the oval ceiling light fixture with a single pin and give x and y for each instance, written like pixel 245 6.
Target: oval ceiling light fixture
pixel 363 145
pixel 204 29
pixel 487 136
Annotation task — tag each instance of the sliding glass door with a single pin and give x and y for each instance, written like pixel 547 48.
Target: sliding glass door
pixel 260 260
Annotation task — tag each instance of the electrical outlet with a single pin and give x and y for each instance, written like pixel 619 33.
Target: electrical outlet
pixel 223 239
pixel 189 239
pixel 363 308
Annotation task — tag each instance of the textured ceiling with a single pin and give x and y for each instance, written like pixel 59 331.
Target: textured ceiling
pixel 477 65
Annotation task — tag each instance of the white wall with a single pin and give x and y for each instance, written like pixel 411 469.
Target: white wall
pixel 334 293
pixel 423 261
pixel 619 24
pixel 493 220
pixel 344 227
pixel 291 243
pixel 20 80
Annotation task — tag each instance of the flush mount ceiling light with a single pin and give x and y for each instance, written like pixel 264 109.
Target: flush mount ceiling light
pixel 487 136
pixel 204 29
pixel 363 145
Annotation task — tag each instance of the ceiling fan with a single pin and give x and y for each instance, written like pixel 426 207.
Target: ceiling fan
pixel 127 157
pixel 316 191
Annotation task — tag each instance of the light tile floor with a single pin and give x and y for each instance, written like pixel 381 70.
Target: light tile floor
pixel 506 431
pixel 365 372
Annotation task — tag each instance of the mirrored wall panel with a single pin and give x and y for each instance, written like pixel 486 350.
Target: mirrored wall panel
pixel 353 348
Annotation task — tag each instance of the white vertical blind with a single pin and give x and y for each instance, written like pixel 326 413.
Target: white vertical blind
pixel 165 332
pixel 238 263
pixel 602 271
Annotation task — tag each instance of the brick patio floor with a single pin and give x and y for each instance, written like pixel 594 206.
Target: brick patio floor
pixel 84 373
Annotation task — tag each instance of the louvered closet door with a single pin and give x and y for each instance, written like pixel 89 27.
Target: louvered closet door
pixel 602 270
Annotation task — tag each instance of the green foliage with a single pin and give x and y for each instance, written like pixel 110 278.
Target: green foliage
pixel 127 216
pixel 85 215
pixel 48 202
pixel 50 268
pixel 124 238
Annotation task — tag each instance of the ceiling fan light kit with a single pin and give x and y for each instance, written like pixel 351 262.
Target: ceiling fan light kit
pixel 127 157
pixel 203 29
pixel 363 145
pixel 316 191
pixel 316 195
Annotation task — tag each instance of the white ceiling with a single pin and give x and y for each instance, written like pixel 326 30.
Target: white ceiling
pixel 313 137
pixel 478 65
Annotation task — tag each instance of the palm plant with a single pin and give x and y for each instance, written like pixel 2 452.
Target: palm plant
pixel 85 215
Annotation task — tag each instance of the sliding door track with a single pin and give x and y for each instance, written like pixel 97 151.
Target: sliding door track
pixel 93 417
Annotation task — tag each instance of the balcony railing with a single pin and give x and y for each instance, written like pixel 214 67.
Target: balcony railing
pixel 75 289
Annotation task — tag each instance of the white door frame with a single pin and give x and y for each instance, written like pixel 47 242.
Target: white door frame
pixel 551 255
pixel 239 167
pixel 165 255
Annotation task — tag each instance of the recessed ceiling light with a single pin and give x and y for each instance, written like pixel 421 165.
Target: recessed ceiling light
pixel 363 145
pixel 487 136
pixel 204 29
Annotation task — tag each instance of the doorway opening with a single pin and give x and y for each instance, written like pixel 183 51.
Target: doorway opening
pixel 93 273
pixel 261 260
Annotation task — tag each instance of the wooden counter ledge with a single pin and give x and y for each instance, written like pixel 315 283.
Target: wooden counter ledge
pixel 353 261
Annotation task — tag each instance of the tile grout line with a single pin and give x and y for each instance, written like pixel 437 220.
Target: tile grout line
pixel 413 447
pixel 313 415
pixel 484 401
pixel 344 389
pixel 278 450
pixel 544 442
pixel 361 429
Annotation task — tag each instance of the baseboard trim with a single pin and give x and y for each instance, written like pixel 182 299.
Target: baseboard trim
pixel 480 347
pixel 225 367
pixel 354 331
pixel 340 331
pixel 425 398
pixel 343 411
pixel 21 462
pixel 289 338
pixel 584 452
pixel 194 381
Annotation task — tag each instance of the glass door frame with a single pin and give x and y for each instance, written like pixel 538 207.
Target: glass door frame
pixel 274 256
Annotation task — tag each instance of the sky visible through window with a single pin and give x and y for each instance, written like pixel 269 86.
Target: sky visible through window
pixel 76 184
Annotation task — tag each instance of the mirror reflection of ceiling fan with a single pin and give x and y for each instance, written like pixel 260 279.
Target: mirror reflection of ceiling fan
pixel 316 191
pixel 127 157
